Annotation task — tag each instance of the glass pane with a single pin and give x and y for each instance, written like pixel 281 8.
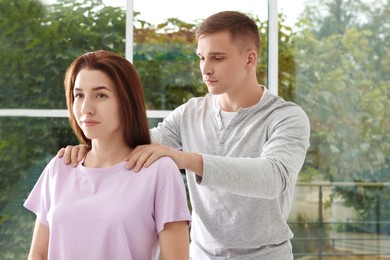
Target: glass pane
pixel 27 145
pixel 164 48
pixel 38 42
pixel 334 62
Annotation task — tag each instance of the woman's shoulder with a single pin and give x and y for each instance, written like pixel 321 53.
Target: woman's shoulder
pixel 166 162
pixel 166 167
pixel 58 162
pixel 56 165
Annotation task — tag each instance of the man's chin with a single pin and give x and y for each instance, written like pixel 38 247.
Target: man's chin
pixel 213 90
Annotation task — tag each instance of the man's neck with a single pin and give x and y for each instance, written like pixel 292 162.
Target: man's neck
pixel 233 102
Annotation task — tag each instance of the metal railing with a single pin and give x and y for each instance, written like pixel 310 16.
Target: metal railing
pixel 328 241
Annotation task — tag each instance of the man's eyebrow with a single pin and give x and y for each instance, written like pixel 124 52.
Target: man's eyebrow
pixel 212 53
pixel 217 53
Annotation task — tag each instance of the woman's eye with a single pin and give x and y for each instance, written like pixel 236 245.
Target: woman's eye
pixel 101 96
pixel 78 95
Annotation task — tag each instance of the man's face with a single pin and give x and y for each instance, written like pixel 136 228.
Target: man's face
pixel 222 63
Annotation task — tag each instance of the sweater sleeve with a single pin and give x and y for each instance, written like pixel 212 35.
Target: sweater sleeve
pixel 168 132
pixel 275 170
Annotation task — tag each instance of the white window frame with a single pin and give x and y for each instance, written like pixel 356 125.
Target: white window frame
pixel 272 65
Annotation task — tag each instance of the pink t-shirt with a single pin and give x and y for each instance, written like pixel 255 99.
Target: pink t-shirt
pixel 107 213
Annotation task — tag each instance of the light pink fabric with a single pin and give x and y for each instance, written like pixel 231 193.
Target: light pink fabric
pixel 107 213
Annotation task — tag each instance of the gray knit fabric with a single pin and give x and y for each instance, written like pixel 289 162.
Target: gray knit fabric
pixel 241 205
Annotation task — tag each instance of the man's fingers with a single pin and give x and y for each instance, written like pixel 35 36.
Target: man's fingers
pixel 142 161
pixel 138 157
pixel 83 149
pixel 134 155
pixel 66 154
pixel 137 160
pixel 74 155
pixel 60 153
pixel 144 156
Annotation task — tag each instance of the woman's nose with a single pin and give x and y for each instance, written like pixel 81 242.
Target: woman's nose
pixel 87 106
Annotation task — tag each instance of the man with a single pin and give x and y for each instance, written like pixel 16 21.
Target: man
pixel 242 149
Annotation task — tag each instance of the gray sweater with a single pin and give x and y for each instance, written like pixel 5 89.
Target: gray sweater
pixel 241 205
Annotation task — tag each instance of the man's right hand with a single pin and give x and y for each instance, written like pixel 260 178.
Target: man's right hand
pixel 73 154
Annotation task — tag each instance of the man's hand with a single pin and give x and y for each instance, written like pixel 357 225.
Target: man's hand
pixel 145 155
pixel 73 154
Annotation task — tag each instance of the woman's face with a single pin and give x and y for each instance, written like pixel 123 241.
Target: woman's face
pixel 96 105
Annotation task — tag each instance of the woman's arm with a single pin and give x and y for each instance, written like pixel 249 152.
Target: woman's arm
pixel 174 241
pixel 40 242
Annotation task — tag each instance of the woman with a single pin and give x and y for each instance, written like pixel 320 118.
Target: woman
pixel 100 210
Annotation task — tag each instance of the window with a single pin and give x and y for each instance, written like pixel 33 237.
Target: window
pixel 333 60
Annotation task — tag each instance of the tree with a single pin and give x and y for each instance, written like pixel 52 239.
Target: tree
pixel 342 59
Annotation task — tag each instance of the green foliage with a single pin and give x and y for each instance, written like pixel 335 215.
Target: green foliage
pixel 342 89
pixel 26 145
pixel 169 73
pixel 307 236
pixel 372 206
pixel 40 42
pixel 343 85
pixel 287 65
pixel 15 242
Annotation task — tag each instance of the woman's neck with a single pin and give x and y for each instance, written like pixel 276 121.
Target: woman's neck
pixel 104 155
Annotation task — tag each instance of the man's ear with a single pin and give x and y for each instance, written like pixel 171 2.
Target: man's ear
pixel 252 57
